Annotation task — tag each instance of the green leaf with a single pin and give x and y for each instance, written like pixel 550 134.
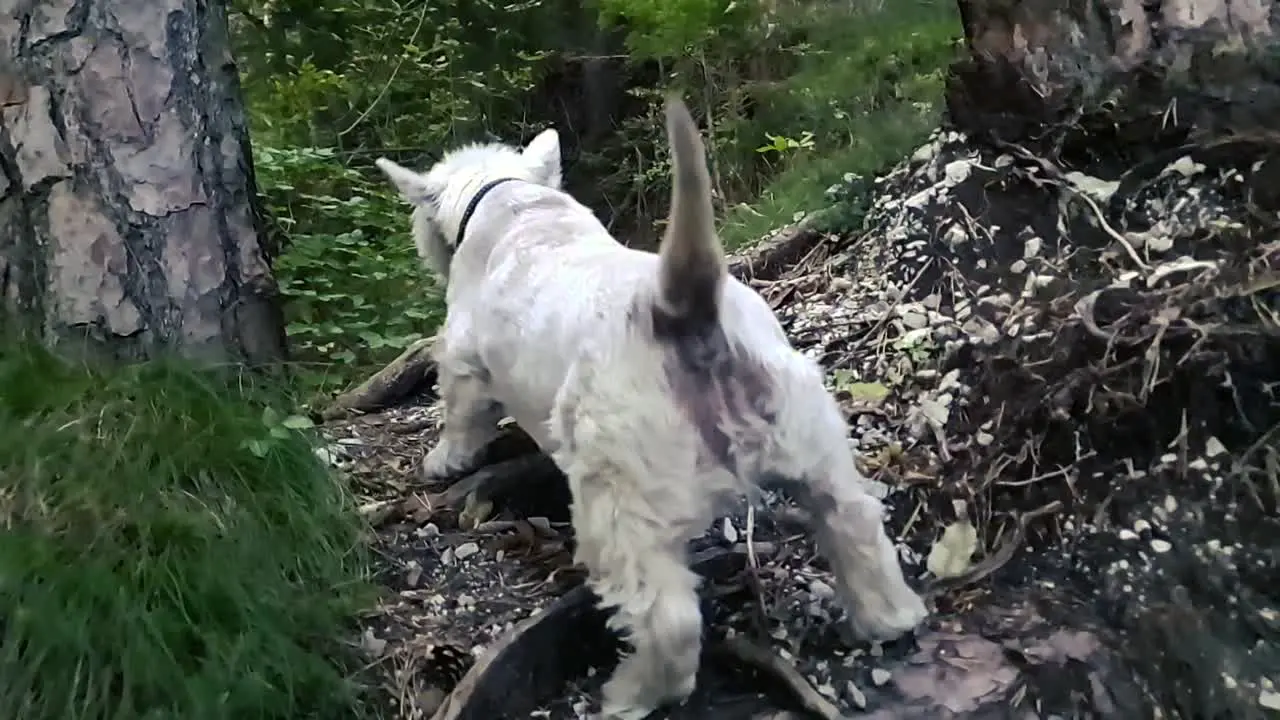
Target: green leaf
pixel 298 422
pixel 258 447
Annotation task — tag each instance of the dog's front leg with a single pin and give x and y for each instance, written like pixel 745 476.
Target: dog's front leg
pixel 471 419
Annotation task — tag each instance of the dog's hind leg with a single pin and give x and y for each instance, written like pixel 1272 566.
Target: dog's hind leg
pixel 636 564
pixel 849 525
pixel 471 418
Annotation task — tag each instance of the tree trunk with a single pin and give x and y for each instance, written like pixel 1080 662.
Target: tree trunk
pixel 127 197
pixel 1053 72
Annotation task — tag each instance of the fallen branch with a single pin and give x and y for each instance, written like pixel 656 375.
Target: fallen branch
pixel 502 482
pixel 407 375
pixel 772 256
pixel 512 476
pixel 765 660
pixel 1009 545
pixel 531 664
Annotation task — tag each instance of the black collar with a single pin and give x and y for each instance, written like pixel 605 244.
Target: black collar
pixel 471 206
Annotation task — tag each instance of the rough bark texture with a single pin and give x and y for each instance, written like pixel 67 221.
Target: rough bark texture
pixel 1040 71
pixel 126 185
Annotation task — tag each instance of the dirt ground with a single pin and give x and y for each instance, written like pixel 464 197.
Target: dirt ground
pixel 1065 387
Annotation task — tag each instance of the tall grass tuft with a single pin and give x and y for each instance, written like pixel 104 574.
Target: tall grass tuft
pixel 165 552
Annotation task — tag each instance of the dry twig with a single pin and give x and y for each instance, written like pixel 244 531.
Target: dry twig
pixel 766 660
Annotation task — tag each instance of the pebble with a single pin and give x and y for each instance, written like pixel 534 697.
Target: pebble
pixel 1161 546
pixel 915 321
pixel 821 590
pixel 856 696
pixel 466 550
pixel 880 676
pixel 730 532
pixel 1269 699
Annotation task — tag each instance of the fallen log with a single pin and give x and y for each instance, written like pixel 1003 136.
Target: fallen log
pixel 982 663
pixel 412 372
pixel 772 256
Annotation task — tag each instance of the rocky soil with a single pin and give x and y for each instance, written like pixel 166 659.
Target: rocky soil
pixel 1065 387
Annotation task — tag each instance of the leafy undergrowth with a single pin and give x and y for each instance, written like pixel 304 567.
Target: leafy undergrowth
pixel 171 549
pixel 867 90
pixel 356 294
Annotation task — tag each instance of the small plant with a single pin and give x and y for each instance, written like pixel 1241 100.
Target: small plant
pixel 780 144
pixel 847 204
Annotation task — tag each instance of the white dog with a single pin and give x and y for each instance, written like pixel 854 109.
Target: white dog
pixel 662 387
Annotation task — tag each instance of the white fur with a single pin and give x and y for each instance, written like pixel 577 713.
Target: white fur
pixel 545 324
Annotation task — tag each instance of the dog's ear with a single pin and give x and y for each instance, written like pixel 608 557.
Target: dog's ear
pixel 412 185
pixel 543 153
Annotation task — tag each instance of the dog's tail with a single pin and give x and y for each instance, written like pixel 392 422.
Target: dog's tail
pixel 692 269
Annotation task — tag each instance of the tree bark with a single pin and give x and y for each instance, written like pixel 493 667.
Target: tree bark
pixel 1050 72
pixel 127 196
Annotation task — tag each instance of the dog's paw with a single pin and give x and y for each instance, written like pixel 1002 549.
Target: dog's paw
pixel 899 618
pixel 632 693
pixel 624 712
pixel 444 462
pixel 614 707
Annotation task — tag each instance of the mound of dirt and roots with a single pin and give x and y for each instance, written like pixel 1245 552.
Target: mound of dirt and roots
pixel 1065 388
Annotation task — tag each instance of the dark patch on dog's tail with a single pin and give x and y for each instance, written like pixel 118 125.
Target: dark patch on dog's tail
pixel 693 269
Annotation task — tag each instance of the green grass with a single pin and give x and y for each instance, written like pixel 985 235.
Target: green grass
pixel 800 188
pixel 170 549
pixel 869 88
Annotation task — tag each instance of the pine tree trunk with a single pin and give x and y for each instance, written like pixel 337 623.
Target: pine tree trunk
pixel 127 197
pixel 1051 72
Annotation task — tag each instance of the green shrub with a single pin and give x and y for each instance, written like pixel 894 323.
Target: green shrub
pixel 796 93
pixel 355 291
pixel 172 548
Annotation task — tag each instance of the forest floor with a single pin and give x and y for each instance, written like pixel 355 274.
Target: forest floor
pixel 1065 387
